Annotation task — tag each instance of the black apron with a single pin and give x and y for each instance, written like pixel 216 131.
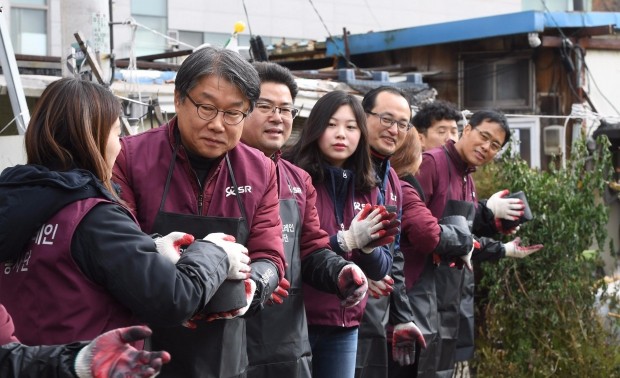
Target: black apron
pixel 448 283
pixel 213 349
pixel 465 343
pixel 372 358
pixel 278 344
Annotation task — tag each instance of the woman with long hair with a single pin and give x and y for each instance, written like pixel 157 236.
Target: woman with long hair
pixel 75 261
pixel 333 149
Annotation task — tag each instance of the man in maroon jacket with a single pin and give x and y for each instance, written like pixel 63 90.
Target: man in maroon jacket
pixel 193 175
pixel 278 344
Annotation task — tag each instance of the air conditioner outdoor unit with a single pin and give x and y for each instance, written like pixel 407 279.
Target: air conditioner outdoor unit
pixel 554 140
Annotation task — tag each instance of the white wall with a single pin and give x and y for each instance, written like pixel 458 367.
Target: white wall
pixel 602 89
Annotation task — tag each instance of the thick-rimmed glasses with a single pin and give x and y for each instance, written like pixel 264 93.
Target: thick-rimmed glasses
pixel 288 112
pixel 209 112
pixel 494 146
pixel 388 122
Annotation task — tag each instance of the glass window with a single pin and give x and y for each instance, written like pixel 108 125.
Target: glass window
pixel 28 2
pixel 191 38
pixel 149 7
pixel 147 42
pixel 29 31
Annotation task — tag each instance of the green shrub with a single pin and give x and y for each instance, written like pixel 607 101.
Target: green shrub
pixel 536 315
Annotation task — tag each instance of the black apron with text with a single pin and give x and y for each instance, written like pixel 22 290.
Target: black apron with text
pixel 278 344
pixel 213 349
pixel 448 283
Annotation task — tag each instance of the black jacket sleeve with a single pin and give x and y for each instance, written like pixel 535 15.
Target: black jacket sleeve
pixel 113 252
pixel 490 250
pixel 320 270
pixel 484 222
pixel 400 308
pixel 18 360
pixel 455 238
pixel 265 275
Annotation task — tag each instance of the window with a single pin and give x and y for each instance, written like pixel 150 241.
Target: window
pixel 499 83
pixel 29 27
pixel 525 139
pixel 153 14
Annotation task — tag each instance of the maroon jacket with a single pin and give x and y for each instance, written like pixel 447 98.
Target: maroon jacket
pixel 420 233
pixel 142 167
pixel 439 174
pixel 323 308
pixel 48 269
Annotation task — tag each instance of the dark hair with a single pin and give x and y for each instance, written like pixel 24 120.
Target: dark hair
pixel 433 112
pixel 368 103
pixel 306 154
pixel 491 116
pixel 70 126
pixel 270 72
pixel 408 154
pixel 220 62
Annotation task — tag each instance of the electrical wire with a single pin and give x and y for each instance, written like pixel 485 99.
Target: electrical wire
pixel 340 53
pixel 247 18
pixel 372 14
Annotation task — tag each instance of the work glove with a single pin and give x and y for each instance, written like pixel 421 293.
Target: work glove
pixel 505 208
pixel 391 228
pixel 381 288
pixel 280 292
pixel 352 285
pixel 110 355
pixel 404 341
pixel 250 288
pixel 237 255
pixel 516 250
pixel 170 245
pixel 365 228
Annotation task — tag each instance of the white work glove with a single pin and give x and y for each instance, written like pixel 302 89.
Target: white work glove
pixel 111 355
pixel 364 229
pixel 352 285
pixel 381 288
pixel 237 255
pixel 516 250
pixel 170 245
pixel 467 258
pixel 404 341
pixel 505 208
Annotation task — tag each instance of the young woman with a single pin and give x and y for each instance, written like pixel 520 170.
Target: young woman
pixel 75 262
pixel 333 149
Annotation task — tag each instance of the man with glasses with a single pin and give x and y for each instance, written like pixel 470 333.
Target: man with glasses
pixel 388 114
pixel 193 175
pixel 278 344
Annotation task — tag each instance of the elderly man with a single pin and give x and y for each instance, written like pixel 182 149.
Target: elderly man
pixel 193 175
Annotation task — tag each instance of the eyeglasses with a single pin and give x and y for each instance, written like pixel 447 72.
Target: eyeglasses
pixel 388 122
pixel 486 137
pixel 287 112
pixel 209 112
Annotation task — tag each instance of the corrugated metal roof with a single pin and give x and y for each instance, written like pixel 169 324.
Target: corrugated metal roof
pixel 474 28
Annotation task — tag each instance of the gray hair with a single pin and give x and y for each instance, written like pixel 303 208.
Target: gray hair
pixel 220 62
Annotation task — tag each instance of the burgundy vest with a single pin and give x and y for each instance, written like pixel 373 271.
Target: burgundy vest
pixel 50 299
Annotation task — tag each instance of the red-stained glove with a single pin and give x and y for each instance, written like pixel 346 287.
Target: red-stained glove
pixel 237 255
pixel 404 340
pixel 250 288
pixel 381 288
pixel 280 292
pixel 364 228
pixel 387 235
pixel 466 259
pixel 352 285
pixel 516 250
pixel 505 208
pixel 110 355
pixel 170 245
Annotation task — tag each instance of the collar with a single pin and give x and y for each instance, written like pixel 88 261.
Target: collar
pixel 456 158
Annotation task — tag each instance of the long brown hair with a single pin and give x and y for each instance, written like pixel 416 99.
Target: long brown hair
pixel 307 155
pixel 408 155
pixel 70 126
